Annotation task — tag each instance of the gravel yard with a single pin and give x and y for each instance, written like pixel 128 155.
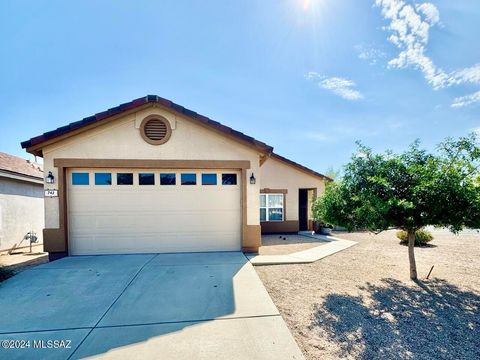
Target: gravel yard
pixel 21 260
pixel 287 244
pixel 360 303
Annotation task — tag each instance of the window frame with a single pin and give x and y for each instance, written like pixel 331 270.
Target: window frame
pixel 82 174
pixel 205 181
pixel 102 173
pixel 267 208
pixel 187 183
pixel 117 175
pixel 229 174
pixel 168 174
pixel 152 175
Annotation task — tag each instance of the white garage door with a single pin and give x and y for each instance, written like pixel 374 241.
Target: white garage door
pixel 117 211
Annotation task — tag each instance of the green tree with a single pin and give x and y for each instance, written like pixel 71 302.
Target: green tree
pixel 332 173
pixel 407 191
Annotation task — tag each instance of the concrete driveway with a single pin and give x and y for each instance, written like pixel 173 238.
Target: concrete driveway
pixel 168 306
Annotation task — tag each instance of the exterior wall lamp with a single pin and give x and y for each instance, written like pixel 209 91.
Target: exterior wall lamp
pixel 50 179
pixel 252 179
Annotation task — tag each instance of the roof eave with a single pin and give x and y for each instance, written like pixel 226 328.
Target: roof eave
pixel 300 167
pixel 36 144
pixel 21 177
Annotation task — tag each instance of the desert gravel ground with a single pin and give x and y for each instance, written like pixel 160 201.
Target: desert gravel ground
pixel 360 303
pixel 20 260
pixel 287 244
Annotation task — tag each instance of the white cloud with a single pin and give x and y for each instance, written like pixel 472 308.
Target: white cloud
pixel 313 75
pixel 369 53
pixel 342 87
pixel 467 75
pixel 430 11
pixel 466 100
pixel 476 131
pixel 409 31
pixel 345 88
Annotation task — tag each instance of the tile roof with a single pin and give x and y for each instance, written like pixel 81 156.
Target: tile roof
pixel 135 104
pixel 16 165
pixel 154 99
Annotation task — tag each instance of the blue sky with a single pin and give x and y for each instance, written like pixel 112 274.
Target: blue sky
pixel 307 77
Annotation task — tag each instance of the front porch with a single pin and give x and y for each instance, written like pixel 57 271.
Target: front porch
pixel 284 244
pixel 286 249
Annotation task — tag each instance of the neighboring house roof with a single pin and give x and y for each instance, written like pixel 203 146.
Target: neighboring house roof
pixel 33 145
pixel 18 167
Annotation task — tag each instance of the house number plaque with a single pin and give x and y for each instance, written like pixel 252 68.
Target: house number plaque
pixel 51 193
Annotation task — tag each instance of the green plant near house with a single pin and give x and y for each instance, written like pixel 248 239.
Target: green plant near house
pixel 317 218
pixel 334 174
pixel 422 237
pixel 5 273
pixel 407 191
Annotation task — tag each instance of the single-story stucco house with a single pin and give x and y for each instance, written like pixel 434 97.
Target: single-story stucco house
pixel 152 176
pixel 21 201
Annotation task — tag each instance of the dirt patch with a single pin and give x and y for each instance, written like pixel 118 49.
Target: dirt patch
pixel 287 244
pixel 19 261
pixel 360 303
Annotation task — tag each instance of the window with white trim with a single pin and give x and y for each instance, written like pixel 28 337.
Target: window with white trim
pixel 271 207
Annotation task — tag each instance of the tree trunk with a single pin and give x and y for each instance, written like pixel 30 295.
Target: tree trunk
pixel 411 254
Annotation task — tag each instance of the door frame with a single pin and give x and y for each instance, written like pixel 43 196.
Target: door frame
pixel 306 190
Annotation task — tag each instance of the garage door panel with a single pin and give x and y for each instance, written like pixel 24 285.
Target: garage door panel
pixel 150 242
pixel 158 200
pixel 82 244
pixel 114 219
pixel 166 222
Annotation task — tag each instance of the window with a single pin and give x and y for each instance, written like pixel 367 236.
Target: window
pixel 189 179
pixel 271 207
pixel 146 179
pixel 80 179
pixel 209 179
pixel 103 179
pixel 229 179
pixel 263 207
pixel 124 179
pixel 167 179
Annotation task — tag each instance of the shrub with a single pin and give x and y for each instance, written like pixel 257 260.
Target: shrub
pixel 5 273
pixel 422 237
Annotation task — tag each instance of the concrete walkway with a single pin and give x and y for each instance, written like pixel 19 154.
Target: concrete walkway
pixel 306 256
pixel 167 306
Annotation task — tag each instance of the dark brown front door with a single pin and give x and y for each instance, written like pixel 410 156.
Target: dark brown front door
pixel 303 209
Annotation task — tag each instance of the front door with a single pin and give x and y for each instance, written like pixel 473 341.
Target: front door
pixel 303 209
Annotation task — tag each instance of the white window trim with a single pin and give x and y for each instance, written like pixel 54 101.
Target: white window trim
pixel 266 207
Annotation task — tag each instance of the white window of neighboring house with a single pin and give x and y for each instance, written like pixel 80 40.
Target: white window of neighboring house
pixel 271 207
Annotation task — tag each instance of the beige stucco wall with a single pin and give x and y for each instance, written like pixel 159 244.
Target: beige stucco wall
pixel 121 139
pixel 21 210
pixel 275 174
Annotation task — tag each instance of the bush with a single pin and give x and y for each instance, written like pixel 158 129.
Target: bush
pixel 422 237
pixel 5 273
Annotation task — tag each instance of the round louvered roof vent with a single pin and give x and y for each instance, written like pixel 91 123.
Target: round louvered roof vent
pixel 155 130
